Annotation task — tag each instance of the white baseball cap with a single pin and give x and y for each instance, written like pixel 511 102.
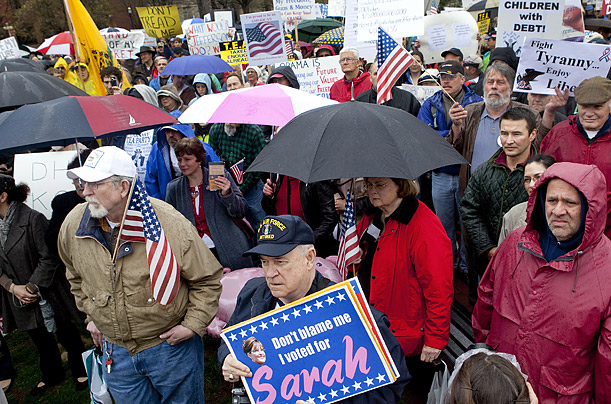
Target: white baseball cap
pixel 103 163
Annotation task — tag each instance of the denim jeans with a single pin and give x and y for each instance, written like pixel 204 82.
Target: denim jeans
pixel 163 374
pixel 253 197
pixel 446 199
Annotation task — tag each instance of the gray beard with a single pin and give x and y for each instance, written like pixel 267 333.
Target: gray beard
pixel 496 103
pixel 98 212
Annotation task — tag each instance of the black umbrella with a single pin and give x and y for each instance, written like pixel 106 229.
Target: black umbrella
pixel 21 88
pixel 21 65
pixel 355 139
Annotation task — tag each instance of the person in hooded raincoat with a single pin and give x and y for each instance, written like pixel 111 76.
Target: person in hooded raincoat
pixel 546 295
pixel 85 81
pixel 67 74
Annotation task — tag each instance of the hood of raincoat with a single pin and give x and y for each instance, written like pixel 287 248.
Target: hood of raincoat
pixel 288 73
pixel 148 94
pixel 170 91
pixel 205 79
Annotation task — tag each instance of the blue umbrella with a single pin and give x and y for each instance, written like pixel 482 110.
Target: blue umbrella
pixel 196 64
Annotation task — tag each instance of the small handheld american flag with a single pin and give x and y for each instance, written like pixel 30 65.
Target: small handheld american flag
pixel 433 9
pixel 349 244
pixel 141 225
pixel 393 60
pixel 237 170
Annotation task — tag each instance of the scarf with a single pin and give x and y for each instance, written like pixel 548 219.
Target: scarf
pixel 5 224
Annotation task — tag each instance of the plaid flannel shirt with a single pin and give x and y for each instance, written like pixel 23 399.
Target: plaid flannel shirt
pixel 246 144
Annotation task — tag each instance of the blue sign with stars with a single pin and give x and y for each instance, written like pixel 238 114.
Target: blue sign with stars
pixel 321 349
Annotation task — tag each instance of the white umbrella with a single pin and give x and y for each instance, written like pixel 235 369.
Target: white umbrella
pixel 60 44
pixel 272 104
pixel 114 30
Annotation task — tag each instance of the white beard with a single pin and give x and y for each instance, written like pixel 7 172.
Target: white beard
pixel 98 212
pixel 495 103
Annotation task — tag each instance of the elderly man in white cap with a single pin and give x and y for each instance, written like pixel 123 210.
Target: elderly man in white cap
pixel 152 343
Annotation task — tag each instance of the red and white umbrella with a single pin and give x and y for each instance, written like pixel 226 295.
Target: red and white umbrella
pixel 60 44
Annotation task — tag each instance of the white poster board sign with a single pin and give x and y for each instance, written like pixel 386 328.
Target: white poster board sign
pixel 337 8
pixel 547 63
pixel 223 15
pixel 367 49
pixel 573 28
pixel 264 38
pixel 421 92
pixel 519 19
pixel 148 40
pixel 124 45
pixel 45 174
pixel 456 29
pixel 204 38
pixel 295 10
pixel 399 18
pixel 316 76
pixel 9 49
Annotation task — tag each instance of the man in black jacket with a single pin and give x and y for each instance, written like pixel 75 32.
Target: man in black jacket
pixel 400 98
pixel 285 247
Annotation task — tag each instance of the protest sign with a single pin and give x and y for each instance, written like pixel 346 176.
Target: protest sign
pixel 421 92
pixel 45 174
pixel 9 49
pixel 264 38
pixel 225 14
pixel 337 8
pixel 456 29
pixel 326 346
pixel 316 76
pixel 139 146
pixel 234 52
pixel 367 49
pixel 322 10
pixel 483 22
pixel 573 28
pixel 606 7
pixel 148 40
pixel 160 21
pixel 519 19
pixel 547 63
pixel 399 18
pixel 124 45
pixel 295 10
pixel 204 38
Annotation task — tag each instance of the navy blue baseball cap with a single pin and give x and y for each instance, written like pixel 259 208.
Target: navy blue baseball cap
pixel 279 235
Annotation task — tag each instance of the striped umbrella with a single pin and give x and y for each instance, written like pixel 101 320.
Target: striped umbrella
pixel 331 37
pixel 60 44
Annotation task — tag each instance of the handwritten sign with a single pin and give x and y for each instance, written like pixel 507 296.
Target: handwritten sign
pixel 9 49
pixel 547 63
pixel 234 52
pixel 45 173
pixel 223 15
pixel 204 38
pixel 399 18
pixel 422 93
pixel 295 10
pixel 519 19
pixel 483 22
pixel 316 76
pixel 124 45
pixel 337 8
pixel 456 29
pixel 324 346
pixel 160 21
pixel 367 49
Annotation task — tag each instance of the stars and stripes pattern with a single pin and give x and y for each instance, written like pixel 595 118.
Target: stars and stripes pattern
pixel 393 60
pixel 237 170
pixel 433 10
pixel 349 244
pixel 141 225
pixel 264 38
pixel 288 48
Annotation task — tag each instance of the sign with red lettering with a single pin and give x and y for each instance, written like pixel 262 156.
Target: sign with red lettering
pixel 606 10
pixel 325 346
pixel 316 76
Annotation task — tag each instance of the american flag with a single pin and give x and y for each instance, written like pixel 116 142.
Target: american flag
pixel 141 225
pixel 238 171
pixel 349 244
pixel 393 60
pixel 264 38
pixel 288 48
pixel 433 10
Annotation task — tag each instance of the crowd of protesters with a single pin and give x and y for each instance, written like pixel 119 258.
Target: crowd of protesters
pixel 525 225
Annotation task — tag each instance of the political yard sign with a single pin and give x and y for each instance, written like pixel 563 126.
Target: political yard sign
pixel 546 64
pixel 325 346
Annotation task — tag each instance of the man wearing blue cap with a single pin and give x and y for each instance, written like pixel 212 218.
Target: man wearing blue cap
pixel 286 249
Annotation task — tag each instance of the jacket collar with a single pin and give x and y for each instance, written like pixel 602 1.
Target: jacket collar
pixel 18 227
pixel 500 158
pixel 606 128
pixel 403 214
pixel 90 227
pixel 263 300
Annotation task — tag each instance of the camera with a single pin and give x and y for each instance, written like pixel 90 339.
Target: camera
pixel 239 396
pixel 114 82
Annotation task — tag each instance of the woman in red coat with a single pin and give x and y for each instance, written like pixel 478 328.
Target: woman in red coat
pixel 406 267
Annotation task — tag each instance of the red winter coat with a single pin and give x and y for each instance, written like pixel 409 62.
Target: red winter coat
pixel 565 143
pixel 411 278
pixel 554 317
pixel 341 90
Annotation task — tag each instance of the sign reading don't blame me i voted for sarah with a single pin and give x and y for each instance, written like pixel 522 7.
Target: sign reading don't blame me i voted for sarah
pixel 322 348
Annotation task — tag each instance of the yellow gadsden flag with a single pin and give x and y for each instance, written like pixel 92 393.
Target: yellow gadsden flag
pixel 90 46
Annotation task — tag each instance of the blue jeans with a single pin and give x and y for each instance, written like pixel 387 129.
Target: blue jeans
pixel 446 199
pixel 162 374
pixel 253 197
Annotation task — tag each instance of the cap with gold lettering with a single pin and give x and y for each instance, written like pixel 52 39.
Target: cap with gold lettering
pixel 279 235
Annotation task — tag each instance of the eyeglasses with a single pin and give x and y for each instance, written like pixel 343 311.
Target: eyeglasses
pixel 376 187
pixel 347 60
pixel 94 185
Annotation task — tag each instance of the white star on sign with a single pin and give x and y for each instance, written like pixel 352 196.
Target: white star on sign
pixel 318 304
pixel 341 297
pixel 253 329
pixel 369 381
pixel 322 397
pixel 274 321
pixel 243 333
pixel 380 377
pixel 310 399
pixel 333 393
pixel 263 325
pixel 356 386
pixel 296 313
pixel 307 308
pixel 345 389
pixel 233 337
pixel 330 300
pixel 285 317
